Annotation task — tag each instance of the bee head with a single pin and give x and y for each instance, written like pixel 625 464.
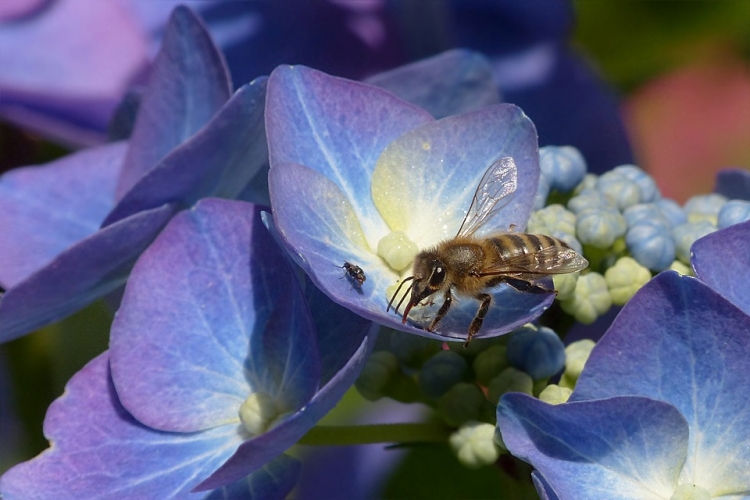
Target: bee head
pixel 429 277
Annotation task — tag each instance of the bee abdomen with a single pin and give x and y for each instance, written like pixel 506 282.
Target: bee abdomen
pixel 514 245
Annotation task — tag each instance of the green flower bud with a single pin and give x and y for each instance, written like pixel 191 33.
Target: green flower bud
pixel 462 403
pixel 488 364
pixel 376 374
pixel 509 380
pixel 590 300
pixel 681 268
pixel 576 355
pixel 555 395
pixel 473 443
pixel 625 278
pixel 565 284
pixel 258 412
pixel 551 219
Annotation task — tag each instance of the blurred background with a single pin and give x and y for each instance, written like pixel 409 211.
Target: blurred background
pixel 662 84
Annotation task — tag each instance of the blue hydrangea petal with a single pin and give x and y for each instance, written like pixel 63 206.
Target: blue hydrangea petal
pixel 543 489
pixel 211 282
pixel 734 183
pixel 720 263
pixel 319 229
pixel 450 83
pixel 81 274
pixel 425 180
pixel 219 160
pixel 618 448
pixel 46 209
pixel 189 83
pixel 256 451
pixel 336 127
pixel 275 480
pixel 90 431
pixel 679 341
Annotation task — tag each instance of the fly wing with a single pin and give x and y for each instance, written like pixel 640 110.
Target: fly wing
pixel 548 260
pixel 494 192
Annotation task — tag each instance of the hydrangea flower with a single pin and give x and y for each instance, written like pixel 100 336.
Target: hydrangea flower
pixel 655 413
pixel 358 175
pixel 216 367
pixel 72 229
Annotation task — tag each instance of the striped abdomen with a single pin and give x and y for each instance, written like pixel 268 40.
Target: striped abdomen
pixel 526 250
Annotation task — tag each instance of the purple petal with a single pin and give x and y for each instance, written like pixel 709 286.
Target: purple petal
pixel 454 82
pixel 98 449
pixel 720 261
pixel 336 127
pixel 275 480
pixel 617 448
pixel 46 209
pixel 254 452
pixel 81 274
pixel 189 83
pixel 733 183
pixel 211 283
pixel 217 161
pixel 679 341
pixel 65 67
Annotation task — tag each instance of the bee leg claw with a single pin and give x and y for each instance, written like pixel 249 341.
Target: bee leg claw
pixel 476 323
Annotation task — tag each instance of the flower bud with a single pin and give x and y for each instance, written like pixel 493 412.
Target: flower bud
pixel 550 219
pixel 509 380
pixel 624 279
pixel 619 190
pixel 258 412
pixel 538 352
pixel 576 355
pixel 377 372
pixel 441 372
pixel 704 208
pixel 474 445
pixel 565 284
pixel 646 184
pixel 462 403
pixel 600 227
pixel 555 395
pixel 650 242
pixel 564 167
pixel 542 193
pixel 734 212
pixel 588 199
pixel 671 211
pixel 681 268
pixel 687 234
pixel 489 363
pixel 590 300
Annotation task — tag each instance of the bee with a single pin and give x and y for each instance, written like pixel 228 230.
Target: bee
pixel 469 265
pixel 354 273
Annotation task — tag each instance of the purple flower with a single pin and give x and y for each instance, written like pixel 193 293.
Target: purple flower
pixel 216 367
pixel 72 229
pixel 659 411
pixel 358 175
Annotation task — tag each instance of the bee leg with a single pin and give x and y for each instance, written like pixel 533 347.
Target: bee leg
pixel 528 286
pixel 442 311
pixel 476 323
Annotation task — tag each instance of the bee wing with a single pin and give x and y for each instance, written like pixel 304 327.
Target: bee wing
pixel 493 193
pixel 548 260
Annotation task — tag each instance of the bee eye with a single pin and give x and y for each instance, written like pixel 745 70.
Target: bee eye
pixel 438 277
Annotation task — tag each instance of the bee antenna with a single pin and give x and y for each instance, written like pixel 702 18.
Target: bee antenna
pixel 406 294
pixel 393 297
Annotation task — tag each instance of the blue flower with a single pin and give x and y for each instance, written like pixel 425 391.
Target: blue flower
pixel 72 229
pixel 658 411
pixel 734 184
pixel 358 175
pixel 216 367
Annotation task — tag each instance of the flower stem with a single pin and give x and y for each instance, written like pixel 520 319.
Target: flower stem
pixel 330 435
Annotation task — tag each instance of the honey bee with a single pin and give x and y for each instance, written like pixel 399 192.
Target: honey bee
pixel 469 265
pixel 354 273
